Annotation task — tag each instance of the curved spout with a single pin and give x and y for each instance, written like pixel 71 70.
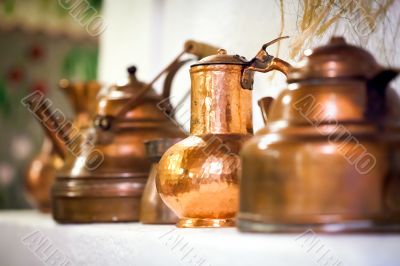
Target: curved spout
pixel 265 106
pixel 53 122
pixel 263 62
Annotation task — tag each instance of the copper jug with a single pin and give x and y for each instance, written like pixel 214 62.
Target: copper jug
pixel 41 171
pixel 153 210
pixel 328 158
pixel 198 176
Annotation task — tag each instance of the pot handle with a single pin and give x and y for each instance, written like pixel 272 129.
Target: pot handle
pixel 376 93
pixel 195 48
pixel 263 62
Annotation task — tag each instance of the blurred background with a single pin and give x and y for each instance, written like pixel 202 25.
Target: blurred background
pixel 43 41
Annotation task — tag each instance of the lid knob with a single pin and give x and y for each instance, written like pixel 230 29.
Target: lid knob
pixel 337 40
pixel 221 51
pixel 131 70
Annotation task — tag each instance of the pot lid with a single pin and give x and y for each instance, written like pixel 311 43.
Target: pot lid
pixel 337 59
pixel 222 58
pixel 129 89
pixel 119 95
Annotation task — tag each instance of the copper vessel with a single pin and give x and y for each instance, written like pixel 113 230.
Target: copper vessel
pixel 40 176
pixel 198 176
pixel 153 210
pixel 43 168
pixel 328 158
pixel 106 168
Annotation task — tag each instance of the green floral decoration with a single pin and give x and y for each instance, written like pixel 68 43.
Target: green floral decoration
pixel 81 64
pixel 5 104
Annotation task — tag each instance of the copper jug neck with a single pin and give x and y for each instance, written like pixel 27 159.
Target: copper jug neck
pixel 219 104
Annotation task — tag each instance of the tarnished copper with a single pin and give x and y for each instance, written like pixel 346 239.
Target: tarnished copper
pixel 198 177
pixel 328 158
pixel 43 168
pixel 106 166
pixel 153 210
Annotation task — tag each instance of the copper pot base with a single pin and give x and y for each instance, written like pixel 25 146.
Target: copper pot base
pixel 96 209
pixel 205 223
pixel 356 226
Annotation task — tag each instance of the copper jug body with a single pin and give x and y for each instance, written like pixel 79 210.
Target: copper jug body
pixel 198 176
pixel 326 160
pixel 42 170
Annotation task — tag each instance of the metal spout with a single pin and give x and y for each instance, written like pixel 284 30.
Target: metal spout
pixel 265 106
pixel 263 62
pixel 55 129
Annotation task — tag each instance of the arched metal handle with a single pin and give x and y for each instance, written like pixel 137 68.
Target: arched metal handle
pixel 198 49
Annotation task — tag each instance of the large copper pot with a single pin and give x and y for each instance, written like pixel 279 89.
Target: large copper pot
pixel 106 167
pixel 329 157
pixel 43 168
pixel 198 176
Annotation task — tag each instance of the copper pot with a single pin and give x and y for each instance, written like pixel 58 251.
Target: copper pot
pixel 328 158
pixel 43 168
pixel 153 210
pixel 106 168
pixel 198 176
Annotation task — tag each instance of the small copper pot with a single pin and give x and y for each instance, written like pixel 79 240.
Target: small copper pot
pixel 152 209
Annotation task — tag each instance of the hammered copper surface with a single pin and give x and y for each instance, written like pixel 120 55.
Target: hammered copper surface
pixel 328 158
pixel 198 177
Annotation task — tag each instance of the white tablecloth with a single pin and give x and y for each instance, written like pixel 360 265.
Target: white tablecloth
pixel 31 238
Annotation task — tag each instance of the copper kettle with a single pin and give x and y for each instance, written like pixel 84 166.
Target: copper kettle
pixel 104 180
pixel 328 158
pixel 198 177
pixel 43 168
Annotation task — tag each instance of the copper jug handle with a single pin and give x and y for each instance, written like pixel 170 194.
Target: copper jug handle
pixel 263 62
pixel 376 93
pixel 195 48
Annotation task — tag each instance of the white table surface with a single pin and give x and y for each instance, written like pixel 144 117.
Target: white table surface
pixel 30 238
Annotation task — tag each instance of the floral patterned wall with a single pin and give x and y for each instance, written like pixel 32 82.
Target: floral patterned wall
pixel 36 52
